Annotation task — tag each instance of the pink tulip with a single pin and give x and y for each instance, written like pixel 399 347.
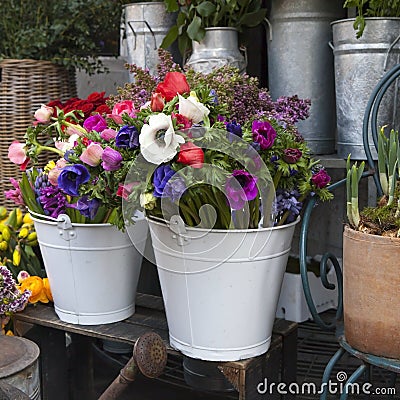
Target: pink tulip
pixel 16 153
pixel 108 134
pixel 92 154
pixel 44 114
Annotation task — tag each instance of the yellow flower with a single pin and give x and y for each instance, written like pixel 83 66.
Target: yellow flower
pixel 49 166
pixel 27 219
pixel 9 333
pixel 147 200
pixel 17 256
pixel 47 289
pixel 36 286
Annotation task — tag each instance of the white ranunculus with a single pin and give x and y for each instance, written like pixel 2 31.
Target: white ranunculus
pixel 192 109
pixel 158 140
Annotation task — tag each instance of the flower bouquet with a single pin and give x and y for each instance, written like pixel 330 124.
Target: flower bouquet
pixel 209 153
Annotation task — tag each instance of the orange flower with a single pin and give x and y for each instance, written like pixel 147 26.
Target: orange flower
pixel 47 289
pixel 35 285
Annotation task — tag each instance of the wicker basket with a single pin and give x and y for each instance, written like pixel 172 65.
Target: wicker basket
pixel 24 86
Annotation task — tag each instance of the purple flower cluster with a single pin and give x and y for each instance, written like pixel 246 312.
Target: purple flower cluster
pixel 11 300
pixel 127 137
pixel 287 201
pixel 291 109
pixel 52 200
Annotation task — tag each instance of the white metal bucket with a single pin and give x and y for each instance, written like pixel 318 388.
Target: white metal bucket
pixel 93 269
pixel 220 288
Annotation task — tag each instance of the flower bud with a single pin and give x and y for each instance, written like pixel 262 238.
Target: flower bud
pixel 22 275
pixel 44 114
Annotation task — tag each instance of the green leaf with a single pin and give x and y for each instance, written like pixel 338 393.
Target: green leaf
pixel 194 30
pixel 170 37
pixel 206 9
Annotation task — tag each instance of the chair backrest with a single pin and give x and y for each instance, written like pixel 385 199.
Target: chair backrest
pixel 369 130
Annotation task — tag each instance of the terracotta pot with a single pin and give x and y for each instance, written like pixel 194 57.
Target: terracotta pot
pixel 371 298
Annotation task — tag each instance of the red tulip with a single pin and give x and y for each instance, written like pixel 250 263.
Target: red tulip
pixel 190 154
pixel 174 83
pixel 157 102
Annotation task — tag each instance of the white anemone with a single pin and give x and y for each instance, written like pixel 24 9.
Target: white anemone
pixel 158 141
pixel 192 109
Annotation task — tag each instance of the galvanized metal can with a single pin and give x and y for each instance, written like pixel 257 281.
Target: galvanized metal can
pixel 219 47
pixel 359 66
pixel 145 26
pixel 19 365
pixel 301 62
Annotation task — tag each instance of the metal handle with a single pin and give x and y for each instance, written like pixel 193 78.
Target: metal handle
pixel 388 52
pixel 134 33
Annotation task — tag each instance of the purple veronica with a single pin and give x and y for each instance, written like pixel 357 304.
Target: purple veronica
pixel 321 178
pixel 87 207
pixel 161 176
pixel 71 177
pixel 111 159
pixel 95 123
pixel 263 133
pixel 240 187
pixel 127 137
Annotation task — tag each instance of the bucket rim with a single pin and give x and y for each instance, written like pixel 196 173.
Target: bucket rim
pixel 347 20
pixel 194 229
pixel 142 3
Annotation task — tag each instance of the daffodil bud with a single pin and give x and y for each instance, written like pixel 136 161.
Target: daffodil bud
pixel 3 245
pixel 6 233
pixel 23 233
pixel 16 256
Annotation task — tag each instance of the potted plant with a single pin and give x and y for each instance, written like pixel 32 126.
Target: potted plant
pixel 206 146
pixel 78 234
pixel 205 27
pixel 364 48
pixel 371 250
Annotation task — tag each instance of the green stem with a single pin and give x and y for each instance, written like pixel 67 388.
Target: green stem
pixel 277 178
pixel 48 148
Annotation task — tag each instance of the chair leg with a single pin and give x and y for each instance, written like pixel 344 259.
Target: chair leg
pixel 353 378
pixel 327 373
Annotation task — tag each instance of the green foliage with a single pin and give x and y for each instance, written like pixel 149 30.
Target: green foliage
pixel 196 15
pixel 372 8
pixel 65 32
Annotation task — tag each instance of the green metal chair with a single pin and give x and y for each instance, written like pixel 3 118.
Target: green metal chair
pixel 367 360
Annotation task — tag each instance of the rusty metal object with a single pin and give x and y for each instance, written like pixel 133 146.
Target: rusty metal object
pixel 9 392
pixel 19 365
pixel 149 357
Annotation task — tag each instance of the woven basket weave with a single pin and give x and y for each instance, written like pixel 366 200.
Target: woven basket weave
pixel 24 86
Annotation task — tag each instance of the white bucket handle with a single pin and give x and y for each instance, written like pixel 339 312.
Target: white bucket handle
pixel 64 224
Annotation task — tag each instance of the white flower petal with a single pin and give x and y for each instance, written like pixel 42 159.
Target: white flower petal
pixel 159 150
pixel 192 109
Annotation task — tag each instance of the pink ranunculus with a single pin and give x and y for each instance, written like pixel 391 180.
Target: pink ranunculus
pixel 321 179
pixel 44 114
pixel 108 134
pixel 16 153
pixel 111 159
pixel 92 154
pixel 291 156
pixel 126 106
pixel 95 123
pixel 52 176
pixel 122 107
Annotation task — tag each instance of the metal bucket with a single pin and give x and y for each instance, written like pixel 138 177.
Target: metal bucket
pixel 19 366
pixel 146 25
pixel 359 66
pixel 219 47
pixel 301 62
